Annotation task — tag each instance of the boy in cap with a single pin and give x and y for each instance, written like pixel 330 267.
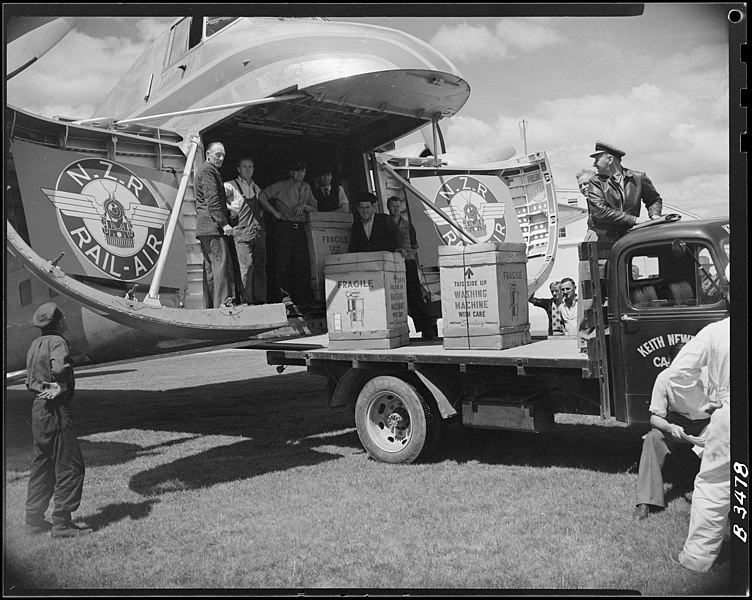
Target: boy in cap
pixel 614 196
pixel 58 467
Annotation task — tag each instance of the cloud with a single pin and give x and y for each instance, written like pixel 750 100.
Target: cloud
pixel 677 134
pixel 504 41
pixel 82 69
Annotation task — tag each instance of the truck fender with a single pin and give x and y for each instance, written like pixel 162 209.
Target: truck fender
pixel 349 386
pixel 443 389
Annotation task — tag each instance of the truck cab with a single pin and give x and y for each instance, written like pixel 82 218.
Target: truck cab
pixel 664 285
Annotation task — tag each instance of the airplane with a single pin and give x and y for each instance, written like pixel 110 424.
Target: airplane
pixel 112 235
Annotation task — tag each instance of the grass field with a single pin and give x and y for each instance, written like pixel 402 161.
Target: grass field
pixel 212 471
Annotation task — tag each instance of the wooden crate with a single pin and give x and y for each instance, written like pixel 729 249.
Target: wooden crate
pixel 366 301
pixel 328 233
pixel 484 296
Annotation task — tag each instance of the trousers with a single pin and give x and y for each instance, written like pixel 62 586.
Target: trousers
pixel 58 467
pixel 416 306
pixel 219 277
pixel 292 263
pixel 711 500
pixel 656 446
pixel 252 264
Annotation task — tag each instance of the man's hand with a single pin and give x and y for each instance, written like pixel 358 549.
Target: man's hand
pixel 711 406
pixel 227 229
pixel 677 431
pixel 299 210
pixel 694 439
pixel 51 391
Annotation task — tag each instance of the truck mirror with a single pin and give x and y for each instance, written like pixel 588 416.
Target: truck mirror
pixel 678 248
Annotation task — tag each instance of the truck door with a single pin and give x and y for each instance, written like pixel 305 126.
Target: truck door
pixel 663 299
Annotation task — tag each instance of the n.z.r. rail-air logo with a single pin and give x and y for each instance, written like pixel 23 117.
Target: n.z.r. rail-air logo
pixel 470 204
pixel 109 214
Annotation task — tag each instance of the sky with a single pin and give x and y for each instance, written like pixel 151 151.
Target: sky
pixel 654 85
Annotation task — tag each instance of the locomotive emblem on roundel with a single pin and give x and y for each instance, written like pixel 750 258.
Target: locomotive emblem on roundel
pixel 470 204
pixel 110 215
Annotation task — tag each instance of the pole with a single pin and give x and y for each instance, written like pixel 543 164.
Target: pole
pixel 436 152
pixel 153 296
pixel 194 111
pixel 428 203
pixel 523 133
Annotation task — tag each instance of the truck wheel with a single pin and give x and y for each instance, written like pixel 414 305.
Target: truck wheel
pixel 393 419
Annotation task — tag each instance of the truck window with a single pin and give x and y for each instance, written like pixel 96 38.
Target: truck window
pixel 657 279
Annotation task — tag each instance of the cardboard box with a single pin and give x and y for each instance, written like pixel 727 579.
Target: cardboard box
pixel 328 233
pixel 484 295
pixel 366 301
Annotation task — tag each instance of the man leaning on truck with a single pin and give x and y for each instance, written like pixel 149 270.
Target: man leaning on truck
pixel 614 196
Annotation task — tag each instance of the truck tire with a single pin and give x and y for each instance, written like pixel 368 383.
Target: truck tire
pixel 394 420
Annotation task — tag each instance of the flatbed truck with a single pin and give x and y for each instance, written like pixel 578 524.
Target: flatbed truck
pixel 655 287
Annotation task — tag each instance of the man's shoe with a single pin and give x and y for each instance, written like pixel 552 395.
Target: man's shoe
pixel 641 512
pixel 36 526
pixel 66 529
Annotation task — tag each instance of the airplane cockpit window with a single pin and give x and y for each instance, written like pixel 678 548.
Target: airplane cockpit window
pixel 215 24
pixel 184 36
pixel 662 277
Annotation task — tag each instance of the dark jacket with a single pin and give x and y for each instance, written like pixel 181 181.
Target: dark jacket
pixel 609 214
pixel 327 202
pixel 384 236
pixel 212 213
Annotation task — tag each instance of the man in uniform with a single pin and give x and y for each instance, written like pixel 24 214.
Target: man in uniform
pixel 249 236
pixel 294 199
pixel 58 468
pixel 213 227
pixel 614 196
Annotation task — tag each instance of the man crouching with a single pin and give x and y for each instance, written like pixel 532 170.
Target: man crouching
pixel 678 423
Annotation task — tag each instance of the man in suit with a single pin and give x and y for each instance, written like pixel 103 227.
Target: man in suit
pixel 373 232
pixel 614 196
pixel 330 196
pixel 213 228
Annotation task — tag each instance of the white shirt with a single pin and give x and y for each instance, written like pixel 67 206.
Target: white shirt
pixel 711 347
pixel 663 399
pixel 240 189
pixel 368 226
pixel 569 317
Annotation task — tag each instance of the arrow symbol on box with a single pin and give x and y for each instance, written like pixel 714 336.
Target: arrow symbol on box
pixel 469 273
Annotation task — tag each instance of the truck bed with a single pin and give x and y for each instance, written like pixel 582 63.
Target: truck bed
pixel 559 352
